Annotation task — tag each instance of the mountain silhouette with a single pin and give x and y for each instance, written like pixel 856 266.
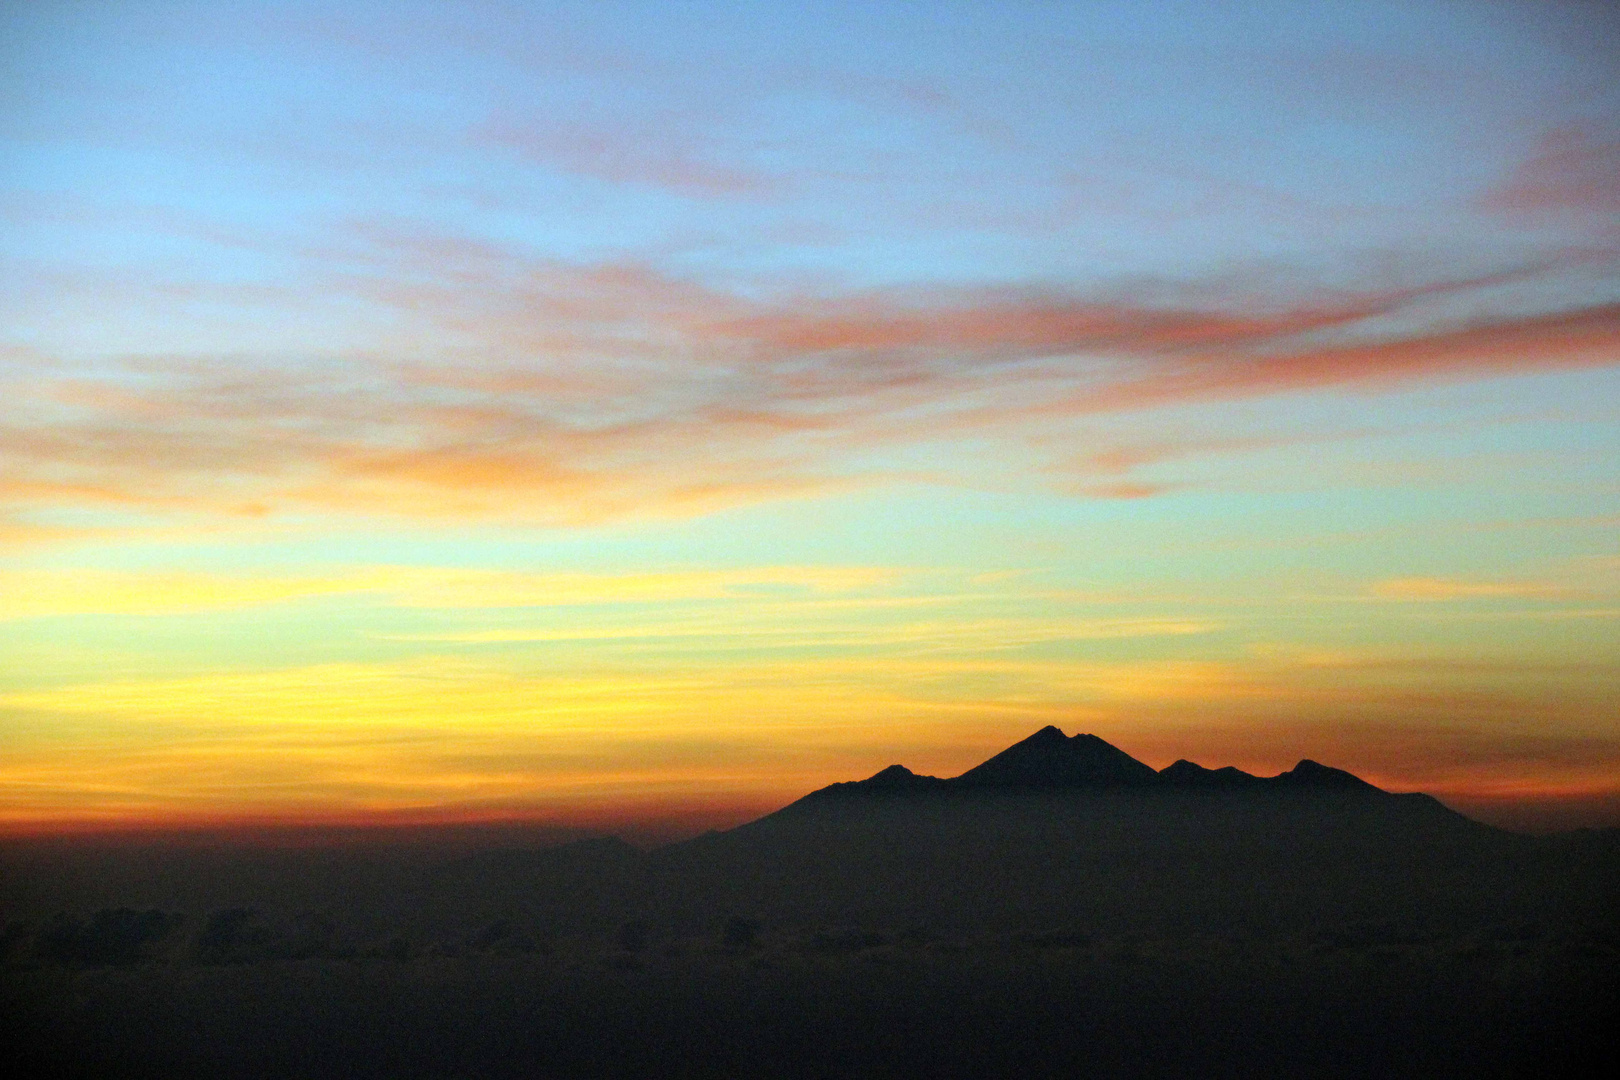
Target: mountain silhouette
pixel 1064 831
pixel 1050 761
pixel 1191 774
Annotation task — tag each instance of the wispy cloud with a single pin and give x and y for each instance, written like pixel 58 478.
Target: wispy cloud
pixel 526 388
pixel 34 593
pixel 1572 169
pixel 1421 589
pixel 659 155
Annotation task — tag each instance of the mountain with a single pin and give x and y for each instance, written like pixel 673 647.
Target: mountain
pixel 1055 833
pixel 1050 761
pixel 1061 831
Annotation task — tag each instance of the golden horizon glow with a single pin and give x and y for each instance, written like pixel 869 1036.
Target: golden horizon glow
pixel 454 424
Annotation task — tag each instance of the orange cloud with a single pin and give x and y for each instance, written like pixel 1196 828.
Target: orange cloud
pixel 1125 489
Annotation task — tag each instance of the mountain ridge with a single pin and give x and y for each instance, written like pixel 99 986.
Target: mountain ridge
pixel 1050 761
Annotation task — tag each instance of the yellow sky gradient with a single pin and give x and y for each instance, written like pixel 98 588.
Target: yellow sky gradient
pixel 405 424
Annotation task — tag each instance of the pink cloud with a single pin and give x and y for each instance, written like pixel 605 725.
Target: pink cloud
pixel 1588 337
pixel 666 157
pixel 532 389
pixel 1572 168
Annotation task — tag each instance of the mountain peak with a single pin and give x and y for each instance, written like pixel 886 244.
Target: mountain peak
pixel 1309 773
pixel 1050 759
pixel 894 780
pixel 1192 774
pixel 1183 771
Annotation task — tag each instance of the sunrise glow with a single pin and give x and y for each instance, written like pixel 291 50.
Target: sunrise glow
pixel 605 412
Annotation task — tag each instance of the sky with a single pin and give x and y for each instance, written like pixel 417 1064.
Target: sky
pixel 611 413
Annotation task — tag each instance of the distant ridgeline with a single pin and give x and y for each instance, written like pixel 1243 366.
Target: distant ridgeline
pixel 1049 760
pixel 1070 834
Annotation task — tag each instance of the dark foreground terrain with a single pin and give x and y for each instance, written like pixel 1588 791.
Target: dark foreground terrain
pixel 1060 911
